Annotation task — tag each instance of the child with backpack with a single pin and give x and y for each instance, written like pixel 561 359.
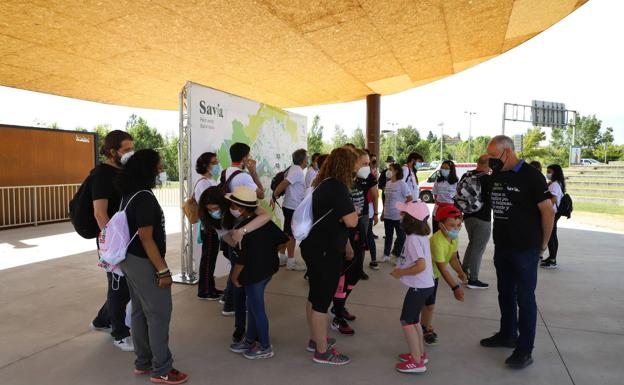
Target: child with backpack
pixel 414 268
pixel 443 244
pixel 257 260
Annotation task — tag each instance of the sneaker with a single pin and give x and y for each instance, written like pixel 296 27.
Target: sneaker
pixel 294 265
pixel 242 346
pixel 519 360
pixel 173 377
pixel 331 357
pixel 228 313
pixel 238 335
pixel 405 357
pixel 395 253
pixel 140 372
pixel 430 337
pixel 364 276
pixel 222 299
pixel 331 342
pixel 385 258
pixel 476 284
pixel 106 329
pixel 374 265
pixel 550 264
pixel 283 258
pixel 257 352
pixel 124 344
pixel 341 325
pixel 345 314
pixel 498 341
pixel 209 297
pixel 411 366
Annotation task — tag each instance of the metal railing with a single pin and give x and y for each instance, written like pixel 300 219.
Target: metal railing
pixel 33 205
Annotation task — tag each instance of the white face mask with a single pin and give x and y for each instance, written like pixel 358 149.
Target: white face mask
pixel 125 157
pixel 363 172
pixel 388 174
pixel 235 213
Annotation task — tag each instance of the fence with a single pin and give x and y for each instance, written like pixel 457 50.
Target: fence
pixel 33 205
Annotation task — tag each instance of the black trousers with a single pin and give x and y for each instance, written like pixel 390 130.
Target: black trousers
pixel 352 270
pixel 553 242
pixel 113 312
pixel 210 252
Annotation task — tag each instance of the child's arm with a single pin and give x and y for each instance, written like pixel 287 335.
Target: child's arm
pixel 418 267
pixel 458 269
pixel 236 273
pixel 458 292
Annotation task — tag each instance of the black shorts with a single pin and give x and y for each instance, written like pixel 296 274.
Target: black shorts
pixel 324 269
pixel 432 298
pixel 412 305
pixel 288 214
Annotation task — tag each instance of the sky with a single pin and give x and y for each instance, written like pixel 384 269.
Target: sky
pixel 577 62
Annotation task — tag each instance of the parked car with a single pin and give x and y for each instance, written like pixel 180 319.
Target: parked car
pixel 427 186
pixel 589 162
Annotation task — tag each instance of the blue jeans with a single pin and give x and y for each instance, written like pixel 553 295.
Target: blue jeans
pixel 391 226
pixel 258 323
pixel 235 300
pixel 516 274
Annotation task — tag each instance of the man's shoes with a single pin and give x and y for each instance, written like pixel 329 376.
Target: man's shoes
pixel 174 377
pixel 498 341
pixel 106 329
pixel 476 284
pixel 519 360
pixel 373 265
pixel 124 344
pixel 209 297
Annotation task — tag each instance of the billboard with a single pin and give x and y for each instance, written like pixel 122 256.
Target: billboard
pixel 217 120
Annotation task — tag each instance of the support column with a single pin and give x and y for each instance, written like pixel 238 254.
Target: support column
pixel 373 115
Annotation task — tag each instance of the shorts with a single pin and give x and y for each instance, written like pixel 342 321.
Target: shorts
pixel 288 214
pixel 432 298
pixel 412 305
pixel 324 269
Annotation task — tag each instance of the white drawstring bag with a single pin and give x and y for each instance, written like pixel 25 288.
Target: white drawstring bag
pixel 303 217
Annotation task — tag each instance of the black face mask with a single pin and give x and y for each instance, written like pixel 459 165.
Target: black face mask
pixel 496 164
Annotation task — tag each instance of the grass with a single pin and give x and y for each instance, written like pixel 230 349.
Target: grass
pixel 599 208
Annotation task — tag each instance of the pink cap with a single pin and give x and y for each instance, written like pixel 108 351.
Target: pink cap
pixel 416 209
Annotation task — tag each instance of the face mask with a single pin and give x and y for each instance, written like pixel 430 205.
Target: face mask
pixel 215 214
pixel 445 173
pixel 496 164
pixel 160 178
pixel 125 157
pixel 235 213
pixel 363 172
pixel 549 176
pixel 388 174
pixel 215 169
pixel 453 234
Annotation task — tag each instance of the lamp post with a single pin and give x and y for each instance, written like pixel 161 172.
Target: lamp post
pixel 441 125
pixel 470 113
pixel 395 132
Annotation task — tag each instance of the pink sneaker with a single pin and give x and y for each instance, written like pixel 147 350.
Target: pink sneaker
pixel 411 367
pixel 408 357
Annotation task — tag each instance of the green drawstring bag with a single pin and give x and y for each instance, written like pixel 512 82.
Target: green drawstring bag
pixel 199 230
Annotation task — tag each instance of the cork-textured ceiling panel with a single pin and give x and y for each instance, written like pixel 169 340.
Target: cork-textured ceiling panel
pixel 283 52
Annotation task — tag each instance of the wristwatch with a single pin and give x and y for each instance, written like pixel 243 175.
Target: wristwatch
pixel 455 288
pixel 244 230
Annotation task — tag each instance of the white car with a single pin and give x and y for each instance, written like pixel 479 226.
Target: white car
pixel 589 162
pixel 426 186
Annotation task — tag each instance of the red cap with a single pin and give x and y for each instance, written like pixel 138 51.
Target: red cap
pixel 449 211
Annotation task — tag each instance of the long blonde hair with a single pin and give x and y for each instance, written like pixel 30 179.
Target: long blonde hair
pixel 339 164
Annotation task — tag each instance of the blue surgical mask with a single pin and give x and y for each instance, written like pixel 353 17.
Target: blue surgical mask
pixel 453 234
pixel 215 169
pixel 445 173
pixel 215 214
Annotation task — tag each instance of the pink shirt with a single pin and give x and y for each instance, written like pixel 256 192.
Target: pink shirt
pixel 416 247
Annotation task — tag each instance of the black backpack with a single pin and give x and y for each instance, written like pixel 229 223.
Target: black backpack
pixel 81 210
pixel 224 184
pixel 277 179
pixel 565 207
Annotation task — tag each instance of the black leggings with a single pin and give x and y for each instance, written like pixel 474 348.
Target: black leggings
pixel 553 242
pixel 210 251
pixel 352 270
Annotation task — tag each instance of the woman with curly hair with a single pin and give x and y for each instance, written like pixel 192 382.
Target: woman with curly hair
pixel 325 247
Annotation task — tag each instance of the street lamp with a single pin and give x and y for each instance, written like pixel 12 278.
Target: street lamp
pixel 394 125
pixel 441 125
pixel 470 113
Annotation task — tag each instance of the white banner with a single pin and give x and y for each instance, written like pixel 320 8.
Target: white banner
pixel 218 119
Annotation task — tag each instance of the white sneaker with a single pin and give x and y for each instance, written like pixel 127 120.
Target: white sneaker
pixel 283 258
pixel 295 265
pixel 385 258
pixel 125 344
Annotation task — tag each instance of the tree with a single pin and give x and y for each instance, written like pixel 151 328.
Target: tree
pixel 315 136
pixel 101 130
pixel 431 137
pixel 358 138
pixel 170 158
pixel 340 138
pixel 531 144
pixel 144 135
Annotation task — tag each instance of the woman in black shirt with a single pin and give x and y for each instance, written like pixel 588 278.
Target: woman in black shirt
pixel 324 248
pixel 146 271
